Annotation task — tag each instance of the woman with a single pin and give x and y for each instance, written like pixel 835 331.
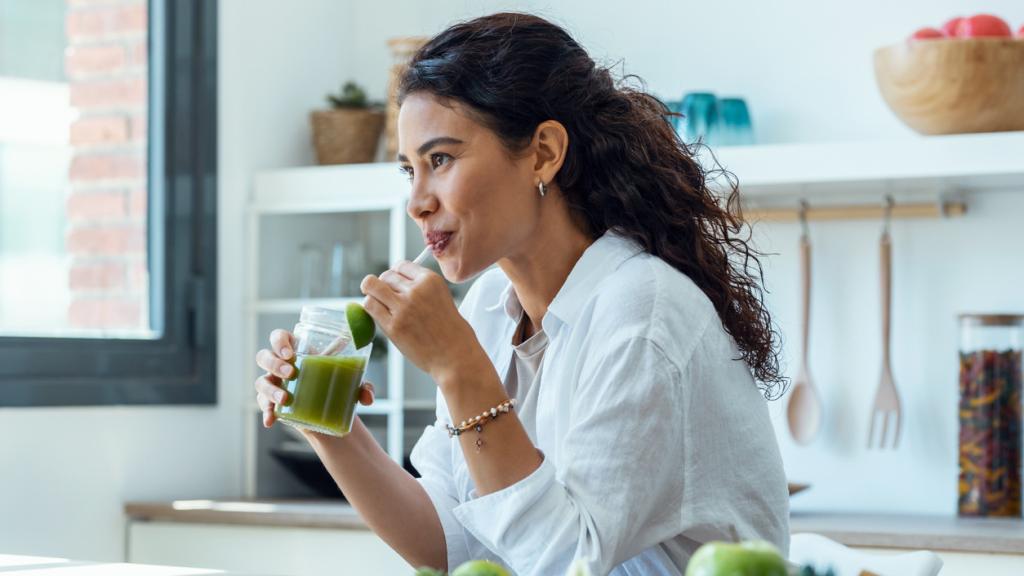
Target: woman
pixel 624 318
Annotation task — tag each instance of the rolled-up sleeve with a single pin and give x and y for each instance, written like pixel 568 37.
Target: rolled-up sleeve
pixel 617 487
pixel 432 456
pixel 432 459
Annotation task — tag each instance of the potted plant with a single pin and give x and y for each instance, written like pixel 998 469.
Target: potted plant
pixel 350 131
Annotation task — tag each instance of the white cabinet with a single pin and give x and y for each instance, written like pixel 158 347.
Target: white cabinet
pixel 313 234
pixel 270 550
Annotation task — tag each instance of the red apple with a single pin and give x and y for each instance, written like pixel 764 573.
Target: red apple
pixel 927 34
pixel 949 28
pixel 983 25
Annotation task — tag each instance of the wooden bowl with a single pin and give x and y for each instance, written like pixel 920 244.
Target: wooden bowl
pixel 952 86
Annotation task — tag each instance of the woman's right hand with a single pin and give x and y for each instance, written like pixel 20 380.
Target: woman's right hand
pixel 279 363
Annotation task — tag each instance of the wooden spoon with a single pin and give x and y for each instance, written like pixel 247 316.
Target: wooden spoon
pixel 804 409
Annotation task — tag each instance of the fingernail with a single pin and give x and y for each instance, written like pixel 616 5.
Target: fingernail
pixel 279 397
pixel 286 370
pixel 286 352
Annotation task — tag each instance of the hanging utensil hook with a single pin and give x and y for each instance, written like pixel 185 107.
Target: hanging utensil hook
pixel 803 218
pixel 889 204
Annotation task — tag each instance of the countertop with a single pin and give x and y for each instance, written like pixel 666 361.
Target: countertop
pixel 915 532
pixel 937 533
pixel 15 565
pixel 292 513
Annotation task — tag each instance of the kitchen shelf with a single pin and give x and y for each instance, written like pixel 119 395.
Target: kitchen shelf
pixel 420 404
pixel 294 305
pixel 323 206
pixel 917 168
pixel 330 189
pixel 382 406
pixel 924 167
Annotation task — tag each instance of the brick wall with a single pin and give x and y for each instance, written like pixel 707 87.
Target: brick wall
pixel 105 238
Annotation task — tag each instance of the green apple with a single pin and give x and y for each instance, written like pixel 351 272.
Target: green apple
pixel 756 558
pixel 480 568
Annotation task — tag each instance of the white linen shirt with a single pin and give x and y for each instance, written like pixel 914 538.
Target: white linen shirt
pixel 654 435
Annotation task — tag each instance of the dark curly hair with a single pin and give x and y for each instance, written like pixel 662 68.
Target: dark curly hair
pixel 625 169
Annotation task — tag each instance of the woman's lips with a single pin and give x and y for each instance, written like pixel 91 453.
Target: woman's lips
pixel 439 241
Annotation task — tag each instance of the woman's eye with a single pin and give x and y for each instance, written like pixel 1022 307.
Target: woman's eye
pixel 439 158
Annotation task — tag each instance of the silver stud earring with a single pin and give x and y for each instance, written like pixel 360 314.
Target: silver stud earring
pixel 542 188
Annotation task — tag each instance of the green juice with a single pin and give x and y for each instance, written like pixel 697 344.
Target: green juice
pixel 323 396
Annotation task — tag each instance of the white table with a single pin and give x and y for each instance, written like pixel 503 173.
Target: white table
pixel 14 565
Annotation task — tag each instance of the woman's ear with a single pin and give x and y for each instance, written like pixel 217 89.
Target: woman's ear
pixel 550 142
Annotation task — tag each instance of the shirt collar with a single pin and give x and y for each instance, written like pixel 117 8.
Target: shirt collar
pixel 598 261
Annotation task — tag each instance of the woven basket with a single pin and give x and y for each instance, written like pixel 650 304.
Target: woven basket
pixel 346 135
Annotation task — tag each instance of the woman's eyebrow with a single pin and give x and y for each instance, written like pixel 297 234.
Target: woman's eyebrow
pixel 426 146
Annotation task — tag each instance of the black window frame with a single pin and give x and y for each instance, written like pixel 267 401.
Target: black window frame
pixel 179 367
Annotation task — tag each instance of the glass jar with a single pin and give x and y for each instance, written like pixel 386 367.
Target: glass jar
pixel 322 396
pixel 990 414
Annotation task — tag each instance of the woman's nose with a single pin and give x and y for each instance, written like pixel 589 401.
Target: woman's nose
pixel 421 204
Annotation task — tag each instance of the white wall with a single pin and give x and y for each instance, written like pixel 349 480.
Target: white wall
pixel 940 268
pixel 66 472
pixel 805 68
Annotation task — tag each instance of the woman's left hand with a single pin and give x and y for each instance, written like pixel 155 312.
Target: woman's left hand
pixel 414 308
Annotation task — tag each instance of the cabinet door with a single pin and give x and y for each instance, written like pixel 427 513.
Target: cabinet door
pixel 263 550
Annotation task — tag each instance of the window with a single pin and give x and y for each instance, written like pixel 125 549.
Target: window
pixel 107 202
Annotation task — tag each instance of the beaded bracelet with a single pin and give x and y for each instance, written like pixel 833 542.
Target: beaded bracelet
pixel 477 422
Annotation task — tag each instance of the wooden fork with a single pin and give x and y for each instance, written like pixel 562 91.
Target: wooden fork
pixel 887 400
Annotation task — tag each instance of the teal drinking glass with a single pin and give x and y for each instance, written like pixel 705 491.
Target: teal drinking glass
pixel 734 127
pixel 700 117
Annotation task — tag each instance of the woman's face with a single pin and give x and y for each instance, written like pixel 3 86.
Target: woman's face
pixel 473 202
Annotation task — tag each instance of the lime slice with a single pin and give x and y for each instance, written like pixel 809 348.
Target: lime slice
pixel 360 324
